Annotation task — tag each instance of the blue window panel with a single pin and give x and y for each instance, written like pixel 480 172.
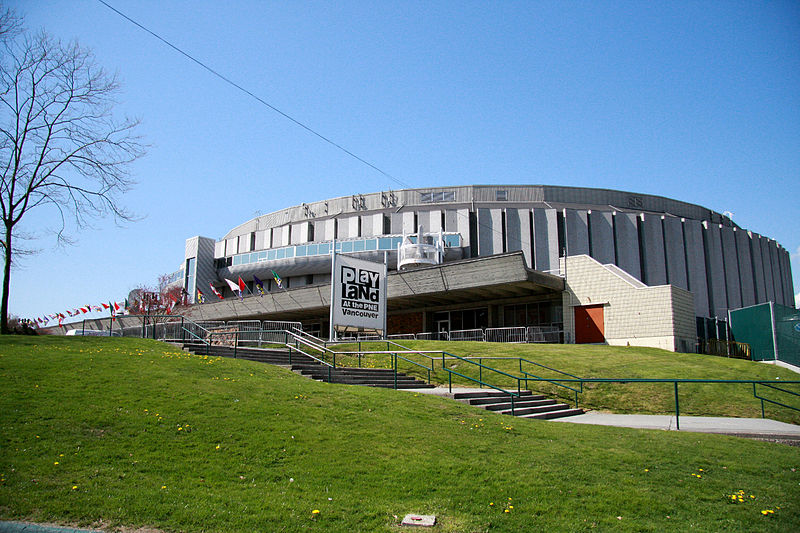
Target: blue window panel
pixel 280 253
pixel 289 252
pixel 338 247
pixel 347 247
pixel 385 243
pixel 270 255
pixel 262 256
pixel 358 246
pixel 311 249
pixel 300 251
pixel 324 248
pixel 451 240
pixel 237 260
pixel 371 244
pixel 254 258
pixel 396 242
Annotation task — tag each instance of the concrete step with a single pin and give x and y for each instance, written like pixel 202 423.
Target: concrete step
pixel 536 410
pixel 504 398
pixel 519 404
pixel 488 394
pixel 555 414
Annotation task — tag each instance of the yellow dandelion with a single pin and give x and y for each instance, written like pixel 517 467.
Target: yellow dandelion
pixel 74 487
pixel 163 487
pixel 491 503
pixel 217 447
pixel 55 463
pixel 506 511
pixel 315 511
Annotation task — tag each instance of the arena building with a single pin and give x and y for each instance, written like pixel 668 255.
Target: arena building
pixel 596 265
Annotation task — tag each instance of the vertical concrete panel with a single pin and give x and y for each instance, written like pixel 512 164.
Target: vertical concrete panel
pixel 461 221
pixel 219 249
pixel 244 243
pixel 715 270
pixel 758 268
pixel 299 233
pixel 327 230
pixel 577 231
pixel 602 236
pixel 767 262
pixel 788 284
pixel 433 221
pixel 397 223
pixel 655 267
pixel 545 239
pixel 490 233
pixel 745 268
pixel 518 232
pixel 776 272
pixel 731 263
pixel 232 246
pixel 261 237
pixel 452 220
pixel 696 263
pixel 627 243
pixel 408 222
pixel 675 252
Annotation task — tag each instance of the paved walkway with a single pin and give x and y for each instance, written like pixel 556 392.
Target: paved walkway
pixel 762 428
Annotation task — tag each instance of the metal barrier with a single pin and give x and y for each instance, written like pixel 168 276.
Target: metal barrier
pixel 466 335
pixel 517 334
pixel 736 350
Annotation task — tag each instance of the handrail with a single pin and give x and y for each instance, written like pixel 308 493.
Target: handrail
pixel 772 386
pixel 481 366
pixel 521 360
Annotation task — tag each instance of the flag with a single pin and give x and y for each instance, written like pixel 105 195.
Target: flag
pixel 105 305
pixel 234 287
pixel 215 291
pixel 201 298
pixel 259 285
pixel 171 305
pixel 242 286
pixel 277 279
pixel 116 306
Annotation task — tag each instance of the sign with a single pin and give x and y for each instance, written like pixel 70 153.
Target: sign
pixel 359 294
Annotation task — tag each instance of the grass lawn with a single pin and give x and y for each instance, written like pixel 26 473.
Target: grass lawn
pixel 123 432
pixel 590 361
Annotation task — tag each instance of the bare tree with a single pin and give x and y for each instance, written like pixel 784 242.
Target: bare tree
pixel 60 146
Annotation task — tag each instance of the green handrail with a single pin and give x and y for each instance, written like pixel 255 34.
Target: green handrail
pixel 539 378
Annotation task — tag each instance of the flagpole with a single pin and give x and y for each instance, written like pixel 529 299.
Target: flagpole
pixel 332 333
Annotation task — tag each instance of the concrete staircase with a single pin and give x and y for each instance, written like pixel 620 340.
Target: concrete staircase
pixel 527 405
pixel 306 366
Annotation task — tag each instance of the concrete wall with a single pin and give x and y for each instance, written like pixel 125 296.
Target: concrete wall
pixel 635 315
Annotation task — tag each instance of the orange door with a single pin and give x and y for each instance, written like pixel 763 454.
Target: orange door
pixel 589 324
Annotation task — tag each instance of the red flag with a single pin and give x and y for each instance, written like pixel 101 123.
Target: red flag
pixel 105 305
pixel 215 291
pixel 116 306
pixel 241 285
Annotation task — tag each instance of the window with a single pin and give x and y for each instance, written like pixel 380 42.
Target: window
pixel 501 196
pixel 435 197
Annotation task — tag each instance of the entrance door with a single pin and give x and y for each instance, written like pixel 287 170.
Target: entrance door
pixel 589 324
pixel 442 328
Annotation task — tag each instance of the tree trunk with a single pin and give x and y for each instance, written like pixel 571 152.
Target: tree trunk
pixel 6 284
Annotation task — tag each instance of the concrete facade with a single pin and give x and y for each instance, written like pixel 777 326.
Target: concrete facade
pixel 653 239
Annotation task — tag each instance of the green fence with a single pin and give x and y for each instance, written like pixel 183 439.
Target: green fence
pixel 771 330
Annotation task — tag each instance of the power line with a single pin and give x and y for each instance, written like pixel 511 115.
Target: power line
pixel 254 96
pixel 273 108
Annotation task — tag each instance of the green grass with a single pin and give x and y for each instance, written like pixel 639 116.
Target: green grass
pixel 591 361
pixel 132 432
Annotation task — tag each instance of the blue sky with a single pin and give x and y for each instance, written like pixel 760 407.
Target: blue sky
pixel 697 101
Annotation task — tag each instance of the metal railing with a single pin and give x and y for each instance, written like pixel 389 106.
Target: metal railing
pixel 479 380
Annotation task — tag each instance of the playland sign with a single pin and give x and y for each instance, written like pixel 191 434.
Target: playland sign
pixel 359 293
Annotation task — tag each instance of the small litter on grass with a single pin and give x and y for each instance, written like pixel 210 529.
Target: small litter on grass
pixel 421 520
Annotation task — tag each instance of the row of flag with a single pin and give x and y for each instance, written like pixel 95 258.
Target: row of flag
pixel 115 307
pixel 112 307
pixel 239 287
